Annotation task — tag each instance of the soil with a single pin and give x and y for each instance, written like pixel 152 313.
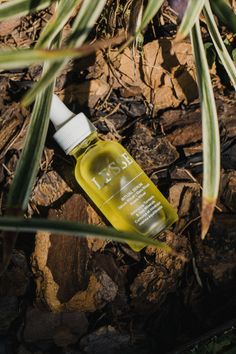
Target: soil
pixel 67 295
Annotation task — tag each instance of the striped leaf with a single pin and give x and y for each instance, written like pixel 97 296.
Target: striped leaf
pixel 84 21
pixel 151 10
pixel 225 13
pixel 13 59
pixel 57 22
pixel 210 131
pixel 219 44
pixel 17 8
pixel 27 169
pixel 18 224
pixel 191 15
pixel 28 165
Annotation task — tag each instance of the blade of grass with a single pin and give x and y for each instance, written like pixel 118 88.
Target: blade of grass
pixel 75 229
pixel 17 8
pixel 26 171
pixel 151 10
pixel 210 131
pixel 57 22
pixel 219 44
pixel 135 17
pixel 191 15
pixel 13 59
pixel 28 165
pixel 225 13
pixel 27 168
pixel 85 20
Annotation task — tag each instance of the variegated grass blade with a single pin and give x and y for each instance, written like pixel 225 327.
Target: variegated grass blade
pixel 210 131
pixel 17 8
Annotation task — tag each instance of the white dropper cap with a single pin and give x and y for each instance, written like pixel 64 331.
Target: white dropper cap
pixel 71 129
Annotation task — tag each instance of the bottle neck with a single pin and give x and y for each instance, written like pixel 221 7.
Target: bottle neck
pixel 85 145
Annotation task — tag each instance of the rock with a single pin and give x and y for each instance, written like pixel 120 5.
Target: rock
pixel 108 339
pixel 63 328
pixel 100 291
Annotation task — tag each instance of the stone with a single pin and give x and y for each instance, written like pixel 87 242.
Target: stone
pixel 63 328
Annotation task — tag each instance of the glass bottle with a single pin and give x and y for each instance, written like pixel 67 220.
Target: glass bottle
pixel 111 178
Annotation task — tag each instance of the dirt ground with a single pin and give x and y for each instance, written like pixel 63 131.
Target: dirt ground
pixel 66 295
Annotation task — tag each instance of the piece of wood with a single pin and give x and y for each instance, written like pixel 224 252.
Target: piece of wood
pixel 60 264
pixel 183 127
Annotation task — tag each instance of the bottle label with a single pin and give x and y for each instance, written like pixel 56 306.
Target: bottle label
pixel 114 168
pixel 130 195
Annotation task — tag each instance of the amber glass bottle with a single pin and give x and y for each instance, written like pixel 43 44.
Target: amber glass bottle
pixel 111 178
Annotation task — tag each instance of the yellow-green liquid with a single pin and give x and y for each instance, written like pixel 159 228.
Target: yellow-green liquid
pixel 120 188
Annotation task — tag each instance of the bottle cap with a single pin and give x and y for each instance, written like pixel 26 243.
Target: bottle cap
pixel 71 129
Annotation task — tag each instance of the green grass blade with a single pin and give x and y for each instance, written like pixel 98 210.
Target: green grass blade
pixel 75 229
pixel 29 162
pixel 191 15
pixel 225 13
pixel 219 44
pixel 151 10
pixel 85 20
pixel 57 22
pixel 18 58
pixel 52 71
pixel 13 59
pixel 16 8
pixel 210 131
pixel 27 167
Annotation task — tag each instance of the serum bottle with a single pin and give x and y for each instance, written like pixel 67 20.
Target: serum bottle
pixel 111 178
